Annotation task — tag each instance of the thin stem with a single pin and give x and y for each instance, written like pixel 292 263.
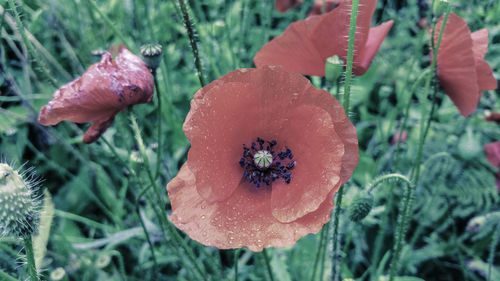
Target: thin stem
pixel 318 253
pixel 30 48
pixel 193 40
pixel 336 219
pixel 268 264
pixel 146 233
pixel 388 177
pixel 6 277
pixel 350 55
pixel 347 95
pixel 30 258
pixel 159 120
pixel 236 259
pixel 493 245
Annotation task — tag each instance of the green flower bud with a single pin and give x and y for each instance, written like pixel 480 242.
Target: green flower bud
pixel 440 7
pixel 333 68
pixel 151 52
pixel 59 274
pixel 19 207
pixel 360 206
pixel 469 145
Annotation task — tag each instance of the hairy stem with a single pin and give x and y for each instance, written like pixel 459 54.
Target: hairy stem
pixel 30 259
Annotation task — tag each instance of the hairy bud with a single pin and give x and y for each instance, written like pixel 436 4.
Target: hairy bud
pixel 360 206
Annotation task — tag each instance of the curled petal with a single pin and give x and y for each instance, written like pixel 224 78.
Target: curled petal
pixel 375 37
pixel 105 89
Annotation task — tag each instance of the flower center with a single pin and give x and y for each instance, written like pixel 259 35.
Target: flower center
pixel 263 159
pixel 261 164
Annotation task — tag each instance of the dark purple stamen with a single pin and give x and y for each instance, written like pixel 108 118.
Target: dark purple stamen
pixel 256 173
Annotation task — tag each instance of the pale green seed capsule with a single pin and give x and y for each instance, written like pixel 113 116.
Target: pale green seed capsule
pixel 333 68
pixel 263 159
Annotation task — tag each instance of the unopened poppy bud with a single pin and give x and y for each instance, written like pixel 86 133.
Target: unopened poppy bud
pixel 440 7
pixel 333 68
pixel 469 145
pixel 219 27
pixel 19 213
pixel 151 52
pixel 361 206
pixel 98 53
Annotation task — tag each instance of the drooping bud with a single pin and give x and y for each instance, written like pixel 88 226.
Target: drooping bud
pixel 333 68
pixel 19 207
pixel 151 52
pixel 360 206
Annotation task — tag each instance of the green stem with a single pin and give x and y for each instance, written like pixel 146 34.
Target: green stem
pixel 7 277
pixel 159 120
pixel 388 177
pixel 30 259
pixel 30 47
pixel 268 264
pixel 347 96
pixel 109 23
pixel 350 55
pixel 493 245
pixel 236 259
pixel 192 39
pixel 318 253
pixel 161 203
pixel 407 201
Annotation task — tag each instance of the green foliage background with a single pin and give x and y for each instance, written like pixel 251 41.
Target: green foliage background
pixel 95 233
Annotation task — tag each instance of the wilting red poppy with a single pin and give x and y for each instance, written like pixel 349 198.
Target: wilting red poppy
pixel 305 45
pixel 462 71
pixel 106 88
pixel 268 152
pixel 318 5
pixel 284 5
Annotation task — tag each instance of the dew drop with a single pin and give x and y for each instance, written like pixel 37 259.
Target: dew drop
pixel 203 217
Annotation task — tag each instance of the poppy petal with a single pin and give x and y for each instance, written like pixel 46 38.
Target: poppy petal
pixel 480 43
pixel 294 50
pixel 334 42
pixel 318 166
pixel 227 225
pixel 492 151
pixel 455 58
pixel 284 5
pixel 318 5
pixel 97 128
pixel 375 37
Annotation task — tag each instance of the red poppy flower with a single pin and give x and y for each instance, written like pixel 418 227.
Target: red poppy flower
pixel 305 45
pixel 106 88
pixel 268 152
pixel 462 71
pixel 318 4
pixel 284 5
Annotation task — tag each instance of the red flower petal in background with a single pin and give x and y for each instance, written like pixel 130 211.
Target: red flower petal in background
pixel 211 199
pixel 305 45
pixel 283 5
pixel 462 71
pixel 106 88
pixel 318 4
pixel 492 151
pixel 493 117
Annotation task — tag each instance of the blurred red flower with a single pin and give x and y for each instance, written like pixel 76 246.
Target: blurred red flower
pixel 305 45
pixel 493 117
pixel 492 151
pixel 284 5
pixel 105 89
pixel 268 152
pixel 318 4
pixel 462 71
